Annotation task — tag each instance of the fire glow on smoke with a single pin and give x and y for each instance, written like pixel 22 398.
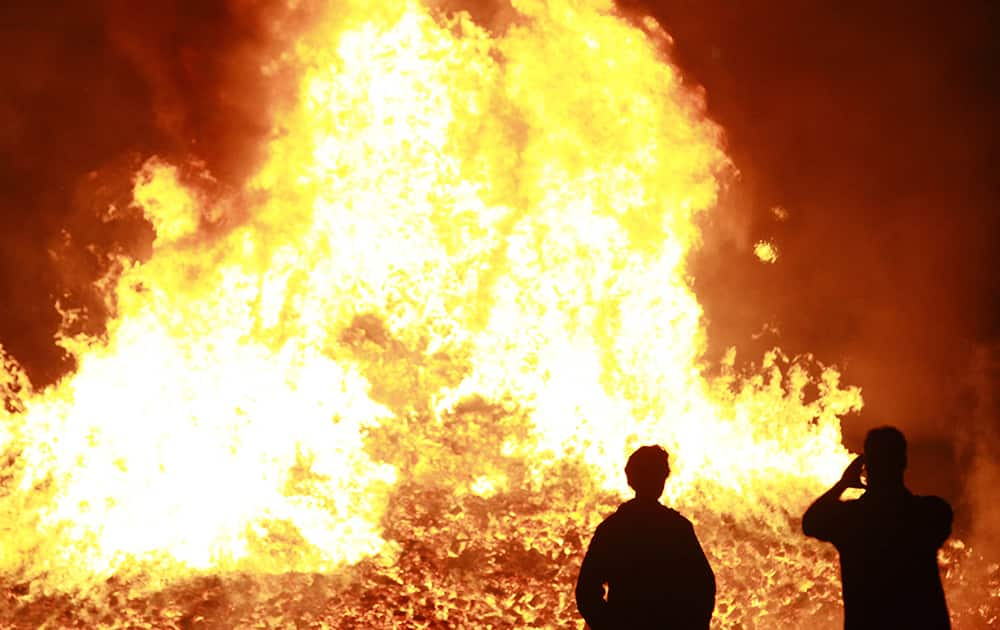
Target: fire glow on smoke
pixel 393 381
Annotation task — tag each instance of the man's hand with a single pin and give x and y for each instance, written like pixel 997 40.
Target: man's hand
pixel 852 474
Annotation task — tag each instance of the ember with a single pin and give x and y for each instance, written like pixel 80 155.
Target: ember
pixel 393 381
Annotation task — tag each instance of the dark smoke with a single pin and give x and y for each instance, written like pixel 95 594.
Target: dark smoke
pixel 872 123
pixel 978 447
pixel 91 89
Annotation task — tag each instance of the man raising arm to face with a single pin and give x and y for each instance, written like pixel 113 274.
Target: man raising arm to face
pixel 888 541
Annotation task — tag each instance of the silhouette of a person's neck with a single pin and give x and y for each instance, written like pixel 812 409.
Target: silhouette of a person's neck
pixel 651 495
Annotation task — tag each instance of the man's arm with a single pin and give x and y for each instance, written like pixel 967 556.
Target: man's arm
pixel 702 580
pixel 590 584
pixel 938 520
pixel 822 519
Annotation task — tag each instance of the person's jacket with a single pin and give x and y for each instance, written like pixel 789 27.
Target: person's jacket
pixel 888 558
pixel 655 570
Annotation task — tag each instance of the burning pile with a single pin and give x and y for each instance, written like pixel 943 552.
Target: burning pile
pixel 394 379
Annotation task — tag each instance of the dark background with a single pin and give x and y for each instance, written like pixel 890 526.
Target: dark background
pixel 875 125
pixel 872 123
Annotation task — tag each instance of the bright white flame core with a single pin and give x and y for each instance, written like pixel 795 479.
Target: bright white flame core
pixel 509 214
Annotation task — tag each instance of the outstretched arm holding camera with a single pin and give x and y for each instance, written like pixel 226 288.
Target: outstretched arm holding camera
pixel 823 519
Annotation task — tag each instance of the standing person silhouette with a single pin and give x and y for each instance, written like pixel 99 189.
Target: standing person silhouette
pixel 649 558
pixel 888 541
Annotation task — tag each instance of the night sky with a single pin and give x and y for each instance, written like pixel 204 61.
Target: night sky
pixel 873 124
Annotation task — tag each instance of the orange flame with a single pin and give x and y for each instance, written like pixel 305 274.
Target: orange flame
pixel 461 269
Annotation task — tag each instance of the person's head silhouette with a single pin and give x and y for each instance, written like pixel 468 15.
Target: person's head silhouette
pixel 647 470
pixel 885 457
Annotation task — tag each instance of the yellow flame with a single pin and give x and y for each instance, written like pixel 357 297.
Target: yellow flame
pixel 448 220
pixel 765 251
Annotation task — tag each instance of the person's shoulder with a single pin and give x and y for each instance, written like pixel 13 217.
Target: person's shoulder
pixel 933 506
pixel 853 504
pixel 672 513
pixel 631 510
pixel 674 517
pixel 858 508
pixel 616 516
pixel 930 502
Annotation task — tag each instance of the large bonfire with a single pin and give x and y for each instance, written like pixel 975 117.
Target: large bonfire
pixel 392 382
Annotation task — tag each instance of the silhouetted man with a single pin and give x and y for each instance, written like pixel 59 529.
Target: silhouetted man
pixel 649 557
pixel 888 541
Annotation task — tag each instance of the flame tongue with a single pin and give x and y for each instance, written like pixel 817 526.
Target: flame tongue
pixel 458 302
pixel 448 217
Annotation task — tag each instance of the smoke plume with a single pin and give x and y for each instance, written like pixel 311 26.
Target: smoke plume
pixel 872 127
pixel 89 95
